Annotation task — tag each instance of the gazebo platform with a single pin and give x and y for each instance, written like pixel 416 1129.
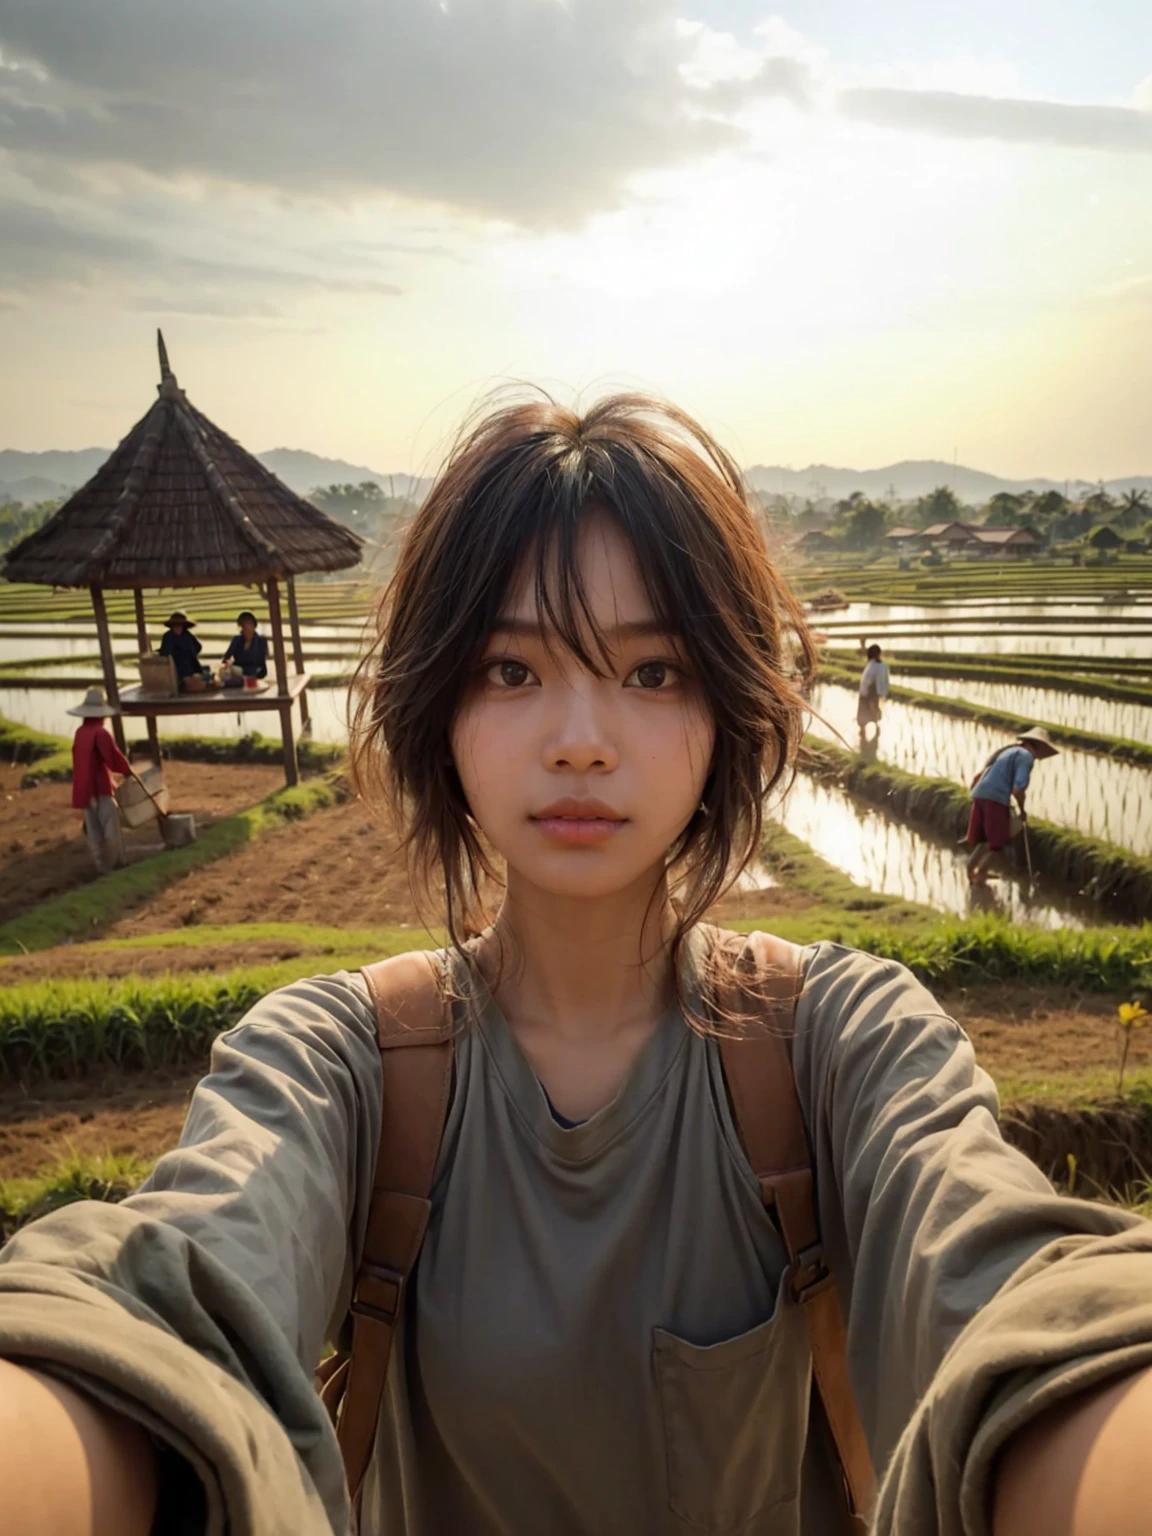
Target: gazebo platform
pixel 224 701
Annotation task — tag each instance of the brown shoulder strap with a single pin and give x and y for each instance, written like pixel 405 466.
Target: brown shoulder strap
pixel 762 1088
pixel 414 1023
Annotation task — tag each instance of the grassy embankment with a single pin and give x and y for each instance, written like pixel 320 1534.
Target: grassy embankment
pixel 91 907
pixel 877 578
pixel 1138 752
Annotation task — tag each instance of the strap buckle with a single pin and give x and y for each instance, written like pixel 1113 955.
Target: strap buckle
pixel 810 1274
pixel 378 1294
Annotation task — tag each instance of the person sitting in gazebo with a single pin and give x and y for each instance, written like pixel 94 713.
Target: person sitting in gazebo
pixel 95 758
pixel 182 645
pixel 249 649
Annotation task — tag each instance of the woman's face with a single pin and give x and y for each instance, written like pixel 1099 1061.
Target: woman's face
pixel 581 783
pixel 247 629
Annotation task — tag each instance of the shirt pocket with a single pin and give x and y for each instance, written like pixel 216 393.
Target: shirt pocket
pixel 735 1423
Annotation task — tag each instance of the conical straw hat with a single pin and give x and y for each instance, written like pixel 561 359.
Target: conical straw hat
pixel 95 706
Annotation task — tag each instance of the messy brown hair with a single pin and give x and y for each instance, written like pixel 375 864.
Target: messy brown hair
pixel 517 485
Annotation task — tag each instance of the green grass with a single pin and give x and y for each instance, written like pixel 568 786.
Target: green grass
pixel 315 939
pixel 69 1028
pixel 312 756
pixel 106 1177
pixel 82 912
pixel 20 744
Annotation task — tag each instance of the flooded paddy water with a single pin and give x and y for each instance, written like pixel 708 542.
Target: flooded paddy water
pixel 1075 711
pixel 1084 790
pixel 881 854
pixel 999 627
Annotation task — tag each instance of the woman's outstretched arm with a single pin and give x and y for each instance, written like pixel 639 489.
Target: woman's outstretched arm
pixel 68 1465
pixel 1081 1469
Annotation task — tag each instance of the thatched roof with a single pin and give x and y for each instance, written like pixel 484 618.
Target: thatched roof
pixel 179 502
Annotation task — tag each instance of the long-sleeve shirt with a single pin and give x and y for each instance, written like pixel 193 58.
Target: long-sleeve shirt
pixel 597 1342
pixel 184 649
pixel 874 680
pixel 95 757
pixel 252 659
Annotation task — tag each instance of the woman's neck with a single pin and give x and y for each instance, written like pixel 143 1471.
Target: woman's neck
pixel 591 968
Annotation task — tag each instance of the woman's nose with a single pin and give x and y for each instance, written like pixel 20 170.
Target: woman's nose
pixel 580 737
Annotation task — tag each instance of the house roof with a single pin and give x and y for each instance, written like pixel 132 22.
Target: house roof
pixel 180 503
pixel 947 530
pixel 904 533
pixel 1005 536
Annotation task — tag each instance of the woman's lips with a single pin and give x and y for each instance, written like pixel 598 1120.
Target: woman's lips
pixel 579 824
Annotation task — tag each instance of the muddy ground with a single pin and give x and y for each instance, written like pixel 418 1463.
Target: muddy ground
pixel 1014 1028
pixel 43 851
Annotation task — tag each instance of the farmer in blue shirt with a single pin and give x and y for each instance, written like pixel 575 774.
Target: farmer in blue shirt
pixel 1004 777
pixel 248 649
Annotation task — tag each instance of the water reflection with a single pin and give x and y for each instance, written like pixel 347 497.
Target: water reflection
pixel 1076 711
pixel 884 855
pixel 1094 794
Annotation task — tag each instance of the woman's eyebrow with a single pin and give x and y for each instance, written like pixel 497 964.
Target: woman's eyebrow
pixel 632 629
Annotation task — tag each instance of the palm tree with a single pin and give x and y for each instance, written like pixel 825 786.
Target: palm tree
pixel 1133 508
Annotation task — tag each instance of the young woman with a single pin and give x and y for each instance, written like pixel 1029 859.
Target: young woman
pixel 582 686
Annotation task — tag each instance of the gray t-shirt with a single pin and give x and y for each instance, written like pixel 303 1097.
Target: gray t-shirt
pixel 596 1344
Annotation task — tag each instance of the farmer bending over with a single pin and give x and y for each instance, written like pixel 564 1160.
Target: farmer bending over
pixel 95 758
pixel 1003 778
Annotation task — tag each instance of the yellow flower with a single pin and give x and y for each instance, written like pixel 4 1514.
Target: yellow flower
pixel 1132 1015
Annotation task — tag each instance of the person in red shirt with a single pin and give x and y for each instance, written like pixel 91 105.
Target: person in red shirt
pixel 95 758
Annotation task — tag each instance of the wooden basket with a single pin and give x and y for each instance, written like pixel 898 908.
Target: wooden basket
pixel 157 675
pixel 136 806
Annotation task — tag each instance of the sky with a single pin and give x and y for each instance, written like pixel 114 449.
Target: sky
pixel 837 233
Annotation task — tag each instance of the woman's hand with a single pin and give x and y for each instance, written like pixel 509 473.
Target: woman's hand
pixel 1081 1469
pixel 68 1465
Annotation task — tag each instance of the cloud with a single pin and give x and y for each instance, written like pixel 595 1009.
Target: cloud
pixel 951 114
pixel 532 111
pixel 40 247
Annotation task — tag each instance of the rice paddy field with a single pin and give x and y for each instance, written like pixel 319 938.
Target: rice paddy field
pixel 112 989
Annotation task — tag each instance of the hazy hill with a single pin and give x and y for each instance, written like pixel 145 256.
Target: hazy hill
pixel 32 477
pixel 911 478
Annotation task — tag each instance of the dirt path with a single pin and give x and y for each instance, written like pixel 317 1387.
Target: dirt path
pixel 43 851
pixel 1014 1028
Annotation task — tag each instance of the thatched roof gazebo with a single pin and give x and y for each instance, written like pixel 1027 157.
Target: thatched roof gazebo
pixel 180 504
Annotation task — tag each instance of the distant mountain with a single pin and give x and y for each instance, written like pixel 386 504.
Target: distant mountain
pixel 33 477
pixel 909 479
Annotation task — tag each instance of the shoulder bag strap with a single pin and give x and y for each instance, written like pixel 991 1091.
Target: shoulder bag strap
pixel 414 1022
pixel 766 1107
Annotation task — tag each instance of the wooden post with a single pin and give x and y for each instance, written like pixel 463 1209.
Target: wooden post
pixel 298 652
pixel 108 663
pixel 142 642
pixel 291 767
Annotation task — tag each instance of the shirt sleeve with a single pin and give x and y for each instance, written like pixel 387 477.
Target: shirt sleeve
pixel 200 1305
pixel 1022 768
pixel 975 1295
pixel 166 643
pixel 233 647
pixel 882 680
pixel 114 759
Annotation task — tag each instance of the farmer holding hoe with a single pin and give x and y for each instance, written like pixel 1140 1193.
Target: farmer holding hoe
pixel 654 1172
pixel 1004 777
pixel 95 758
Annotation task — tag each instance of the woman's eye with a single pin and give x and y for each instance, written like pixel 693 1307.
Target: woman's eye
pixel 656 676
pixel 509 674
